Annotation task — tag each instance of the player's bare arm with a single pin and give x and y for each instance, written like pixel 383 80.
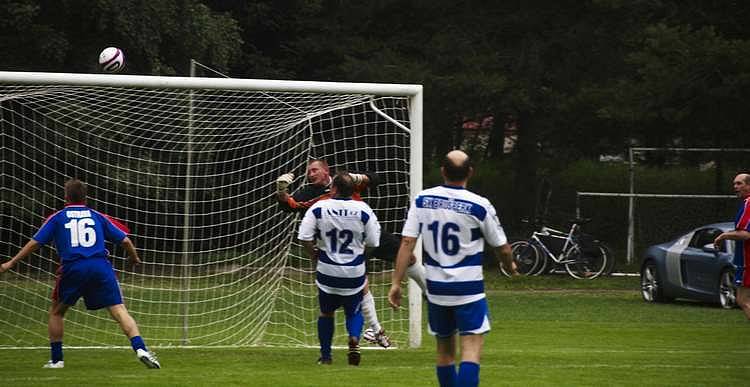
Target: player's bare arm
pixel 129 247
pixel 402 262
pixel 29 248
pixel 309 249
pixel 741 235
pixel 506 259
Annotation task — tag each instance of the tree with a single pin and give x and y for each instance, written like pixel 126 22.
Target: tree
pixel 157 37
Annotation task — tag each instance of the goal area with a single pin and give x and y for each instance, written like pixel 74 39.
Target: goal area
pixel 190 164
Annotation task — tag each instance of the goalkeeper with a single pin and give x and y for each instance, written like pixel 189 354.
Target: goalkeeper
pixel 318 188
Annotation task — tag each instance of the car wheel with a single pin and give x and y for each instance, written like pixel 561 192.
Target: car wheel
pixel 727 290
pixel 651 288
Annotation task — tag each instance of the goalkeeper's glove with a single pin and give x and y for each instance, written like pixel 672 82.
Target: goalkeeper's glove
pixel 283 182
pixel 358 178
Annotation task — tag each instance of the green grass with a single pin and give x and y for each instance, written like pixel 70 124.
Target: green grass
pixel 546 331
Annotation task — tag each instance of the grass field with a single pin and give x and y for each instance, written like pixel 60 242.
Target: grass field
pixel 547 331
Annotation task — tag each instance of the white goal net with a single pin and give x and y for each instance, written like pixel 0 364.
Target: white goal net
pixel 189 164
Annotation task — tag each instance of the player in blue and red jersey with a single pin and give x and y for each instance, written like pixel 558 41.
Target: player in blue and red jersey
pixel 78 233
pixel 741 236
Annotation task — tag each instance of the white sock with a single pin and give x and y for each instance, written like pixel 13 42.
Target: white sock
pixel 368 310
pixel 417 273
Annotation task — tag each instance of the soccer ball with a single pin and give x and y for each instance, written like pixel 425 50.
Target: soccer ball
pixel 112 59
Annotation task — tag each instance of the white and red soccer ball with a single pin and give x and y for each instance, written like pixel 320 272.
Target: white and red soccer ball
pixel 112 59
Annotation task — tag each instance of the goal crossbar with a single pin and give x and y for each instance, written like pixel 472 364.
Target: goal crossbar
pixel 157 82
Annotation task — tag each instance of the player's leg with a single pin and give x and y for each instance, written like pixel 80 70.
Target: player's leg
pixel 328 304
pixel 354 321
pixel 446 361
pixel 442 324
pixel 55 326
pixel 375 332
pixel 743 300
pixel 67 291
pixel 471 350
pixel 103 291
pixel 388 250
pixel 416 272
pixel 368 308
pixel 129 327
pixel 473 322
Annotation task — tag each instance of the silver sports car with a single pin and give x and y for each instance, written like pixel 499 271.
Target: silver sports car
pixel 690 267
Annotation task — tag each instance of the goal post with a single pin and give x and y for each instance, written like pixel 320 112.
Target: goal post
pixel 189 164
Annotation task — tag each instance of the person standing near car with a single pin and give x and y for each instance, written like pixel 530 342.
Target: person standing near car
pixel 741 237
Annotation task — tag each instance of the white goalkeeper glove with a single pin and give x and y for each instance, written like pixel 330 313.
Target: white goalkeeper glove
pixel 358 178
pixel 283 182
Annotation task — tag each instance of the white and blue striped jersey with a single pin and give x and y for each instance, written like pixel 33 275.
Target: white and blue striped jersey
pixel 455 224
pixel 342 229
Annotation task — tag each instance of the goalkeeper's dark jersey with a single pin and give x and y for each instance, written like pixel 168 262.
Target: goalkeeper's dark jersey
pixel 310 194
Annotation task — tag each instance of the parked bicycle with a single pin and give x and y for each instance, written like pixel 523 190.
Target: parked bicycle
pixel 548 249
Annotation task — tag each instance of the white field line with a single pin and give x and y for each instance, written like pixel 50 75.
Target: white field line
pixel 508 350
pixel 430 366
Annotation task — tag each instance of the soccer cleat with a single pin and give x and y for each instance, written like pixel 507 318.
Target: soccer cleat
pixel 325 361
pixel 354 356
pixel 57 364
pixel 147 358
pixel 379 338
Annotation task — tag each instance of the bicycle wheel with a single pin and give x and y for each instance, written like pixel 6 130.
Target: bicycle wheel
pixel 610 267
pixel 526 257
pixel 585 264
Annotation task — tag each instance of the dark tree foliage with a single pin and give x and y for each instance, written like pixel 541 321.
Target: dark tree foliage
pixel 582 78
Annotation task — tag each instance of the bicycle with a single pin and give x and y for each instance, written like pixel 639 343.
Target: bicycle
pixel 558 248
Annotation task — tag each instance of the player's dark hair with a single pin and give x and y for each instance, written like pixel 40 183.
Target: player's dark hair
pixel 456 172
pixel 75 191
pixel 343 184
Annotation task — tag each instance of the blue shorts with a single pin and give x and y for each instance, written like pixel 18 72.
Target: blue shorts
pixel 93 279
pixel 330 302
pixel 467 319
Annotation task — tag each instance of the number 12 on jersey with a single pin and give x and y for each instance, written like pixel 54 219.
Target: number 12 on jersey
pixel 335 235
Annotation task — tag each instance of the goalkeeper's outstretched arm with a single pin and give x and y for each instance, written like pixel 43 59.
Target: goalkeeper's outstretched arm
pixel 305 197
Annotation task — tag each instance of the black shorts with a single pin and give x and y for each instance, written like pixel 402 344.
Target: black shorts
pixel 388 249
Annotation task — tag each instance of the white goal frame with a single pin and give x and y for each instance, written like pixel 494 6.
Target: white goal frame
pixel 413 92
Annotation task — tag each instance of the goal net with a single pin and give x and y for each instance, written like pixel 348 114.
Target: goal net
pixel 190 164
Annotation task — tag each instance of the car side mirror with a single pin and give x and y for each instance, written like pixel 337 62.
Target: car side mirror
pixel 710 248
